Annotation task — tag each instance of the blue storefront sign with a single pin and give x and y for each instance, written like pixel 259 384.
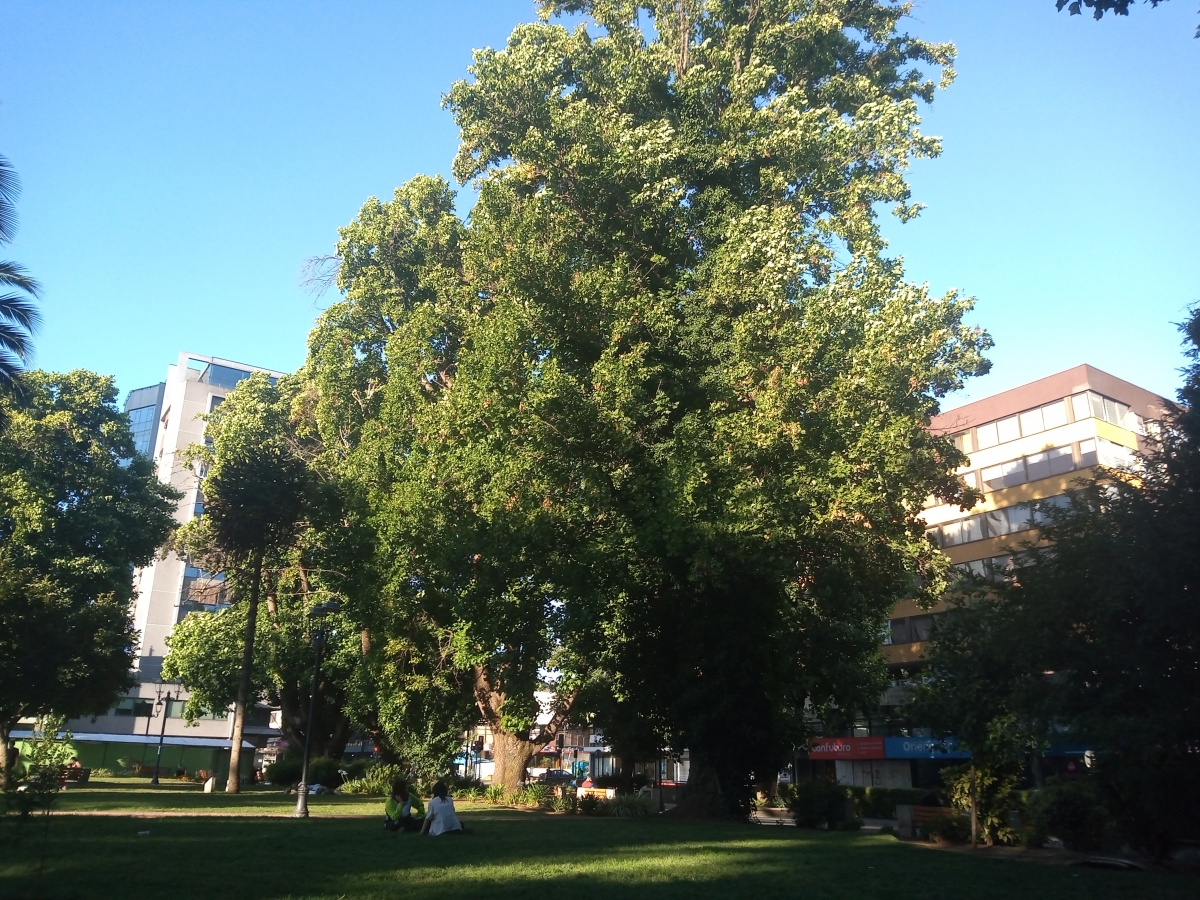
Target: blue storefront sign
pixel 922 748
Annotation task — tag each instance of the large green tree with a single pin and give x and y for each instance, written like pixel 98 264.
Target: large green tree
pixel 1111 612
pixel 655 418
pixel 79 509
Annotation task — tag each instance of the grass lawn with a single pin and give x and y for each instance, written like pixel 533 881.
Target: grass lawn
pixel 509 854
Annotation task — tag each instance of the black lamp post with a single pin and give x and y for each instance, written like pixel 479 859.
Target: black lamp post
pixel 165 703
pixel 318 612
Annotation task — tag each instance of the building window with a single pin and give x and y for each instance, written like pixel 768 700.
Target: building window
pixel 134 706
pixel 141 423
pixel 1050 462
pixel 222 376
pixel 1006 474
pixel 1096 406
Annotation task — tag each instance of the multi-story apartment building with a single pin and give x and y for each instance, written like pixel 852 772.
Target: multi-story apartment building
pixel 1025 448
pixel 166 420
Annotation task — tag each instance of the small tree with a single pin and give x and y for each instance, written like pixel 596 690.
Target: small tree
pixel 255 493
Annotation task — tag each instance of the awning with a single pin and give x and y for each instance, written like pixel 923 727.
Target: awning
pixel 168 741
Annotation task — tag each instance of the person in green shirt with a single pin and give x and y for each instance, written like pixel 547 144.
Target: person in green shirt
pixel 403 810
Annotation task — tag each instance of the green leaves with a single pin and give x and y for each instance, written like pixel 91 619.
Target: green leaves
pixel 78 511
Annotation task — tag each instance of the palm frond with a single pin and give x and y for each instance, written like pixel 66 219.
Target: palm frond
pixel 15 340
pixel 10 369
pixel 10 190
pixel 13 275
pixel 21 310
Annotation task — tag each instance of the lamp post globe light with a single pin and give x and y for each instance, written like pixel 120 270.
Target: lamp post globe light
pixel 317 613
pixel 165 704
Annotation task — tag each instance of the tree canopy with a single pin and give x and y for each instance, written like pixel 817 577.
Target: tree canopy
pixel 79 509
pixel 655 417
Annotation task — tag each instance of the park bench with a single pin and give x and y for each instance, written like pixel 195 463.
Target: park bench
pixel 75 776
pixel 911 819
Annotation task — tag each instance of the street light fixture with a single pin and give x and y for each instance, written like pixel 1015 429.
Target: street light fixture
pixel 318 613
pixel 165 703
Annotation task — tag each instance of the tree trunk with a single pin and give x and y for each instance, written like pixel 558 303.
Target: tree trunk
pixel 701 797
pixel 974 811
pixel 512 754
pixel 4 733
pixel 233 782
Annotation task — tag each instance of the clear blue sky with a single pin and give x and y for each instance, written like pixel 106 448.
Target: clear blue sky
pixel 181 161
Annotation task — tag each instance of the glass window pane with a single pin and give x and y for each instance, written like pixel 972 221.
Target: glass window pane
pixel 986 435
pixel 1031 422
pixel 935 535
pixel 951 534
pixel 1087 454
pixel 899 631
pixel 970 480
pixel 921 627
pixel 997 522
pixel 1097 403
pixel 993 478
pixel 1014 472
pixel 972 529
pixel 1111 413
pixel 1061 460
pixel 963 441
pixel 1079 406
pixel 1008 429
pixel 1054 414
pixel 1114 455
pixel 1038 465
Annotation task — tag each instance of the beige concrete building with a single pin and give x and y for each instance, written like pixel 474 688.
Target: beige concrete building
pixel 1026 447
pixel 166 419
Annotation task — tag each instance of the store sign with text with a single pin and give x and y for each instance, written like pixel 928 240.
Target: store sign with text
pixel 847 748
pixel 923 748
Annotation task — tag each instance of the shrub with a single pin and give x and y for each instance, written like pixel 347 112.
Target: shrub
pixel 1071 812
pixel 568 803
pixel 816 804
pixel 102 772
pixel 357 768
pixel 589 805
pixel 495 794
pixel 994 787
pixel 950 826
pixel 376 781
pixel 532 795
pixel 321 770
pixel 881 803
pixel 626 806
pixel 284 771
pixel 471 792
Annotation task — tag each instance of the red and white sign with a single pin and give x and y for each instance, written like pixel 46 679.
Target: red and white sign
pixel 847 748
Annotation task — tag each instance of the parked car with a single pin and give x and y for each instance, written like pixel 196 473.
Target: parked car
pixel 556 777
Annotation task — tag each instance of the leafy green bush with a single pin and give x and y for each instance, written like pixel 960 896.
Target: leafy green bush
pixel 102 772
pixel 376 781
pixel 626 806
pixel 1070 811
pixel 951 825
pixel 532 795
pixel 470 792
pixel 881 803
pixel 321 770
pixel 994 788
pixel 284 771
pixel 358 768
pixel 814 804
pixel 495 794
pixel 568 803
pixel 589 805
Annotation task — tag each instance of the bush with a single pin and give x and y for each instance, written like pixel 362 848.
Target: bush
pixel 495 794
pixel 589 805
pixel 357 768
pixel 1069 811
pixel 471 792
pixel 881 803
pixel 321 770
pixel 568 803
pixel 817 804
pixel 950 826
pixel 994 788
pixel 376 781
pixel 532 795
pixel 102 772
pixel 626 806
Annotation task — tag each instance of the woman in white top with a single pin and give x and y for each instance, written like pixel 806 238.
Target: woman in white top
pixel 440 817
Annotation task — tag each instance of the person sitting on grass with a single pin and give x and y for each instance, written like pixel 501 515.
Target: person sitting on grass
pixel 402 811
pixel 441 818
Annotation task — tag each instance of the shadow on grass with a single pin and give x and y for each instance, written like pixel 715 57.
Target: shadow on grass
pixel 514 854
